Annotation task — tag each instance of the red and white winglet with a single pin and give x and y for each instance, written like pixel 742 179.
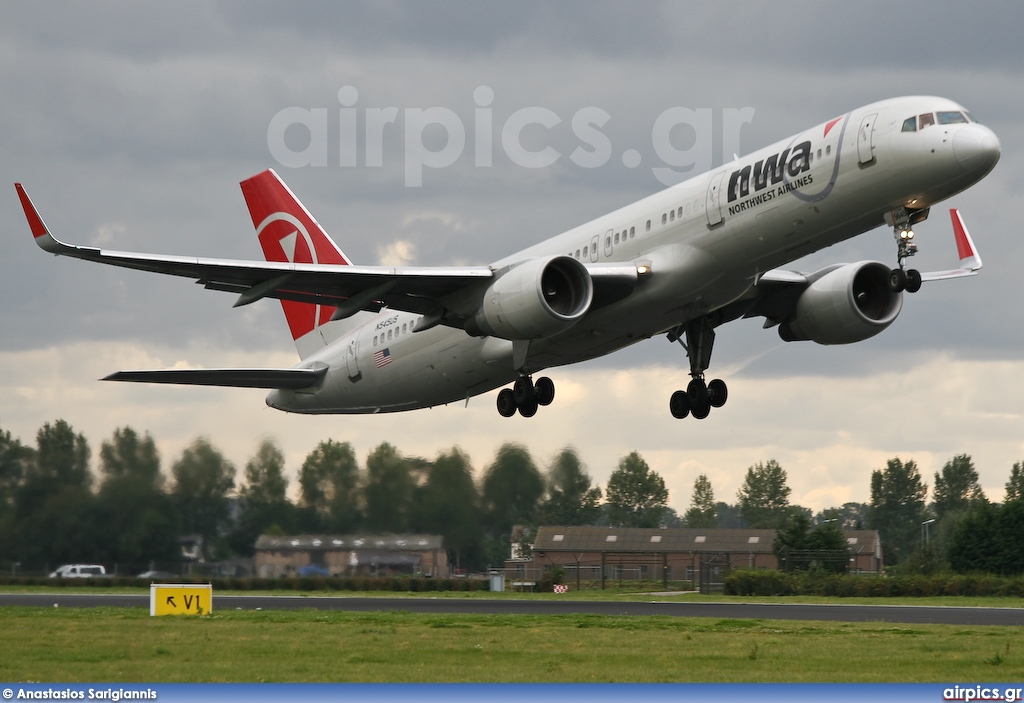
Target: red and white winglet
pixel 35 223
pixel 970 261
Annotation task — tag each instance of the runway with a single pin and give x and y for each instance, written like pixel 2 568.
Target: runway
pixel 909 614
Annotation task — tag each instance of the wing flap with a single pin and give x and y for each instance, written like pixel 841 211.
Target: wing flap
pixel 291 379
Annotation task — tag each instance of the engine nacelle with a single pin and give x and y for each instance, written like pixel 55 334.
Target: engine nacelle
pixel 536 299
pixel 846 305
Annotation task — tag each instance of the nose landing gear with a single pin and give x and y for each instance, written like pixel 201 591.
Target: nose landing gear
pixel 902 221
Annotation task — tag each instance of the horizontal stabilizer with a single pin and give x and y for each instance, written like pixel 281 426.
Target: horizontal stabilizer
pixel 291 379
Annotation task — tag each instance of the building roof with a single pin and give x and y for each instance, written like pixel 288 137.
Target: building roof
pixel 331 543
pixel 677 539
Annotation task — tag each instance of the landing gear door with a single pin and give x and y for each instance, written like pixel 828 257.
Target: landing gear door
pixel 865 140
pixel 713 201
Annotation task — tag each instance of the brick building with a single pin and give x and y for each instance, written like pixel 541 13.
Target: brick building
pixel 699 555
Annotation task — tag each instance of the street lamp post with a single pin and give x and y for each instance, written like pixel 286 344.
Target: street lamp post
pixel 925 534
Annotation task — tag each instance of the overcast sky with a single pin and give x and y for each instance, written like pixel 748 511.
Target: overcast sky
pixel 131 126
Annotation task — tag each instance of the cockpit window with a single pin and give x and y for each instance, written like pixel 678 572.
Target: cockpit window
pixel 913 124
pixel 951 117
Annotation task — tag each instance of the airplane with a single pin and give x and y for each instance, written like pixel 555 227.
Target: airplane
pixel 678 263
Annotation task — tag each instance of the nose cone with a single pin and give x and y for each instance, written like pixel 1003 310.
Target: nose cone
pixel 976 148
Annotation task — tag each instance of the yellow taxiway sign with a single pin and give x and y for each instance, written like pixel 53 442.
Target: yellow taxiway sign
pixel 180 599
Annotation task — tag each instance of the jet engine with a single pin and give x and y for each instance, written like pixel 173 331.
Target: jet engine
pixel 848 304
pixel 535 299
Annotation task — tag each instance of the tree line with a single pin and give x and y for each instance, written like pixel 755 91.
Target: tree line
pixel 959 529
pixel 54 510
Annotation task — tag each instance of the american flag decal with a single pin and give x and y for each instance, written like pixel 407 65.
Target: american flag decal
pixel 382 358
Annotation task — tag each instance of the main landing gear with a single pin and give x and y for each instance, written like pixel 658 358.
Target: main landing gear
pixel 901 278
pixel 526 396
pixel 699 396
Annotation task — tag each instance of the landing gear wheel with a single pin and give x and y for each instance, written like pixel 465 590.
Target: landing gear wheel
pixel 523 391
pixel 507 403
pixel 697 391
pixel 544 389
pixel 897 280
pixel 702 409
pixel 718 393
pixel 679 405
pixel 700 401
pixel 529 408
pixel 913 280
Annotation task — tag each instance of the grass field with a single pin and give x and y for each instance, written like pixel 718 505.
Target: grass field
pixel 126 645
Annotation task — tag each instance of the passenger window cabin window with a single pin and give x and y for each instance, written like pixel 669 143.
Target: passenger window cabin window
pixel 374 340
pixel 672 216
pixel 819 153
pixel 680 212
pixel 925 120
pixel 404 326
pixel 577 253
pixel 616 237
pixel 389 334
pixel 632 232
pixel 910 124
pixel 664 218
pixel 648 225
pixel 828 150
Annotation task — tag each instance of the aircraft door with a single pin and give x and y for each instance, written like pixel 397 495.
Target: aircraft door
pixel 713 201
pixel 352 360
pixel 865 140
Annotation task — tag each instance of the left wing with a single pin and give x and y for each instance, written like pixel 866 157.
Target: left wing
pixel 414 289
pixel 349 288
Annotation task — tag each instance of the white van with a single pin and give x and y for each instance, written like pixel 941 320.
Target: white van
pixel 79 571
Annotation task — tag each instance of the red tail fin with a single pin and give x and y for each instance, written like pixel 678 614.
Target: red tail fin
pixel 287 232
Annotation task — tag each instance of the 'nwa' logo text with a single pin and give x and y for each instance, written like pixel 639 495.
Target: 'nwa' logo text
pixel 770 171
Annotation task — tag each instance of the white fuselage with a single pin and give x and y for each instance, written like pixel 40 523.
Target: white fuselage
pixel 706 241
